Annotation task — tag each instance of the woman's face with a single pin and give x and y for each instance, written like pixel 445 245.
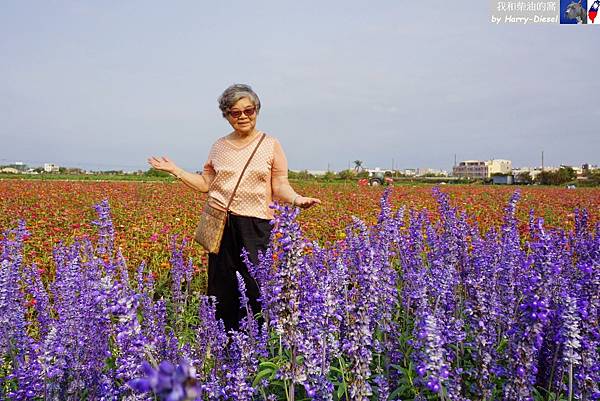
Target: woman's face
pixel 238 118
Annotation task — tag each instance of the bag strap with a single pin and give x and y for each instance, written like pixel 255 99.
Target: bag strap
pixel 247 163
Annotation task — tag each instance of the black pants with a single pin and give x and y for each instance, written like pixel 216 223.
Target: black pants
pixel 241 232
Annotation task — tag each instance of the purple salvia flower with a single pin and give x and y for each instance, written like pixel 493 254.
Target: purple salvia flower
pixel 242 366
pixel 383 387
pixel 326 317
pixel 106 230
pixel 430 355
pixel 121 267
pixel 571 332
pixel 300 299
pixel 168 382
pixel 586 287
pixel 410 251
pixel 130 340
pixel 538 273
pixel 141 278
pixel 161 341
pixel 67 345
pixel 180 274
pixel 508 267
pixel 79 342
pixel 211 339
pixel 15 344
pixel 281 294
pixel 361 307
pixel 42 304
pixel 248 324
pixel 447 264
pixel 482 309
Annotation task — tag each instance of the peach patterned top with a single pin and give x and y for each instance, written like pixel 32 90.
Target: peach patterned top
pixel 254 194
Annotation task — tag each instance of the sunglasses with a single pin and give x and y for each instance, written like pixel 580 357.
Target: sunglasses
pixel 238 113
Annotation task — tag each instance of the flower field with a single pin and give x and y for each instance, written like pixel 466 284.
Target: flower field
pixel 458 293
pixel 146 215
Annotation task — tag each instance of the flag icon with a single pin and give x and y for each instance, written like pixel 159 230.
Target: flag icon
pixel 593 12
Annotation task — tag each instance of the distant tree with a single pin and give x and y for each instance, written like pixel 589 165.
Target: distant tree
pixel 20 167
pixel 545 178
pixel 346 174
pixel 152 172
pixel 328 176
pixel 559 177
pixel 524 178
pixel 566 174
pixel 300 175
pixel 593 177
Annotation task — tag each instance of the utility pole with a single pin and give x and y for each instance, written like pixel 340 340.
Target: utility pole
pixel 542 160
pixel 454 160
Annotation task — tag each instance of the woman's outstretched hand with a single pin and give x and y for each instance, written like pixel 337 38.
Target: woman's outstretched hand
pixel 305 202
pixel 163 163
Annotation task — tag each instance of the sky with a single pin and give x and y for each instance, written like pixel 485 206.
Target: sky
pixel 403 84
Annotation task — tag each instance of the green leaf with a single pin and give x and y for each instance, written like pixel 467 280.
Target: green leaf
pixel 267 364
pixel 341 390
pixel 337 370
pixel 262 374
pixel 400 390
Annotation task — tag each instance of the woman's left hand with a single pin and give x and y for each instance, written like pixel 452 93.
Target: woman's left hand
pixel 305 202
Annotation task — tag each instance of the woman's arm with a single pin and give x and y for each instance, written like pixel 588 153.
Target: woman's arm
pixel 283 191
pixel 192 180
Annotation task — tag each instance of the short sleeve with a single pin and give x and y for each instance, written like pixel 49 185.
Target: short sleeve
pixel 280 164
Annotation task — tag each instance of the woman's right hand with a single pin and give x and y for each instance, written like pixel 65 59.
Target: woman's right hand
pixel 163 163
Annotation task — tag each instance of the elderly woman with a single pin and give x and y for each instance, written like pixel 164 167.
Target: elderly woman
pixel 264 180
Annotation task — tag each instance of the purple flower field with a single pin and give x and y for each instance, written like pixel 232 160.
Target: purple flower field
pixel 407 309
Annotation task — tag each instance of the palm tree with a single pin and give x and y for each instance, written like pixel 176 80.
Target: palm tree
pixel 358 165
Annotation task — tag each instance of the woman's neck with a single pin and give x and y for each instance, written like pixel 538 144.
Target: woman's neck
pixel 241 136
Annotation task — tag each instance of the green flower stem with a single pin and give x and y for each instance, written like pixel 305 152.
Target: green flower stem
pixel 571 381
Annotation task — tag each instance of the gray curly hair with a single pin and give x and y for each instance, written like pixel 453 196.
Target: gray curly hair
pixel 233 94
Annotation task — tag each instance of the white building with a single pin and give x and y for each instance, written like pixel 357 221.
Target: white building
pixel 471 169
pixel 51 168
pixel 499 166
pixel 317 173
pixel 430 171
pixel 480 169
pixel 578 170
pixel 11 170
pixel 533 171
